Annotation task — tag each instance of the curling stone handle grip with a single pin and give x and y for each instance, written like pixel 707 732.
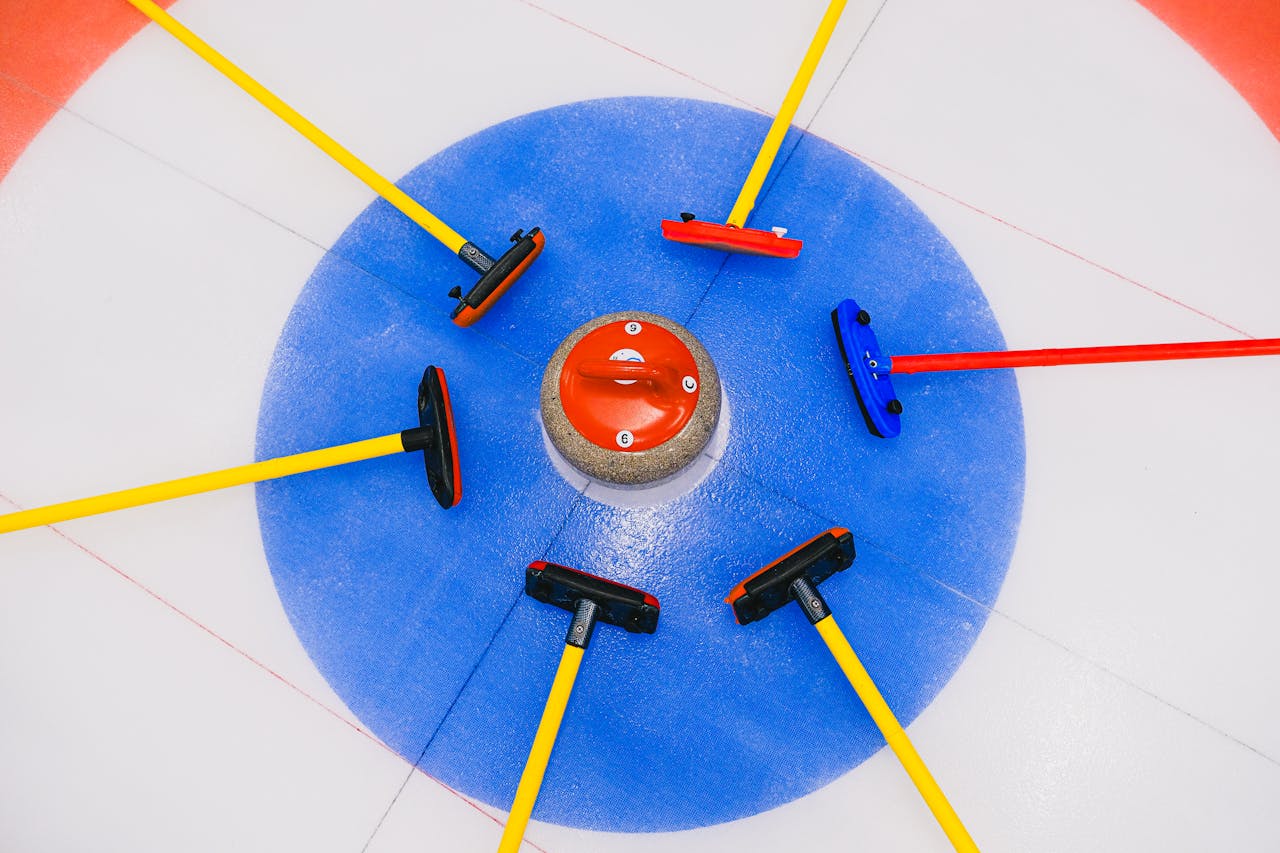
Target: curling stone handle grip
pixel 664 379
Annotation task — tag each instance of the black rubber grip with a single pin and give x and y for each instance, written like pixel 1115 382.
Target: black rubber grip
pixel 617 604
pixel 771 588
pixel 433 437
pixel 494 275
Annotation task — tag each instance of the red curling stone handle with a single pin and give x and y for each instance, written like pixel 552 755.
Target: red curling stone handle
pixel 664 379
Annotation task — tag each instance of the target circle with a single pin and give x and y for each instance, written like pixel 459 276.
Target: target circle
pixel 416 616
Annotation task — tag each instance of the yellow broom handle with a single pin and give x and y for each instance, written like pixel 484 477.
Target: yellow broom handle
pixel 773 140
pixel 540 754
pixel 325 143
pixel 252 473
pixel 895 735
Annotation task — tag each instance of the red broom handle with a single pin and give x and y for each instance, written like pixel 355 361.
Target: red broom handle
pixel 1081 355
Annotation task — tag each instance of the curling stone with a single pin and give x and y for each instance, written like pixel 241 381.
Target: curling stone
pixel 630 398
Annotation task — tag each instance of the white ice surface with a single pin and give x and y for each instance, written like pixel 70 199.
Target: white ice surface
pixel 1101 181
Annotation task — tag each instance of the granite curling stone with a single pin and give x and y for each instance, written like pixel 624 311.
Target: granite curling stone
pixel 630 398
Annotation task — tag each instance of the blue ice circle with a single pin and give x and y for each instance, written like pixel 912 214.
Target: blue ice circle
pixel 416 616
